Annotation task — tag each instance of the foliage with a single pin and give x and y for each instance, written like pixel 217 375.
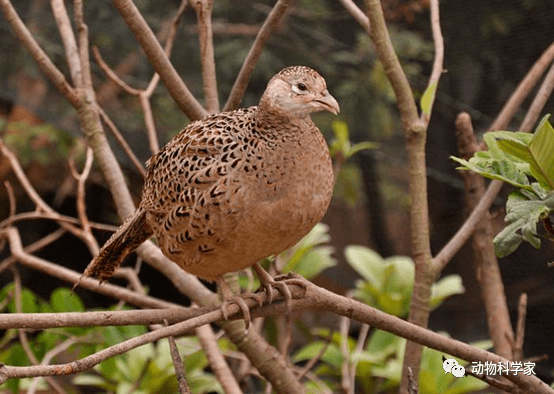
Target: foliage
pixel 43 143
pixel 149 368
pixel 146 369
pixel 387 284
pixel 525 161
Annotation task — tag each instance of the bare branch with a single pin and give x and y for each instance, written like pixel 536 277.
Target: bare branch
pixel 73 277
pixel 539 102
pixel 357 14
pixel 88 362
pixel 307 296
pixel 523 90
pixel 69 41
pixel 239 87
pixel 520 327
pixel 178 364
pixel 439 57
pixel 40 203
pixel 415 132
pixel 119 138
pixel 35 246
pixel 111 74
pixel 43 61
pixel 151 46
pixel 218 364
pixel 81 204
pixel 203 10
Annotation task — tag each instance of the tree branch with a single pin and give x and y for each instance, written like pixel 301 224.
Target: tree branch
pixel 239 87
pixel 155 53
pixel 415 135
pixel 203 10
pixel 42 59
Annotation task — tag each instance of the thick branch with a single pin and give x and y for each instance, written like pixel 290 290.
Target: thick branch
pixel 415 134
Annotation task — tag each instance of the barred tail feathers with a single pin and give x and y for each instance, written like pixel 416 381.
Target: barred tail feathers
pixel 129 236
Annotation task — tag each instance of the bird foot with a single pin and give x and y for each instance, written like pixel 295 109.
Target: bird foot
pixel 229 298
pixel 280 283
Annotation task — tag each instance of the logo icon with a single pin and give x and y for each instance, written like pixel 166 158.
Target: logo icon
pixel 450 365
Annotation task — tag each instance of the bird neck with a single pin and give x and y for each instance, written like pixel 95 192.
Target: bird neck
pixel 270 116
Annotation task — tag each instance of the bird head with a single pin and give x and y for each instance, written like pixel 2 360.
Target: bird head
pixel 298 91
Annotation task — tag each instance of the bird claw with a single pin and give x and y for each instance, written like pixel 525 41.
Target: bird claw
pixel 243 308
pixel 281 283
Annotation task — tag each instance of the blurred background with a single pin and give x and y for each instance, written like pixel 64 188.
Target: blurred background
pixel 490 46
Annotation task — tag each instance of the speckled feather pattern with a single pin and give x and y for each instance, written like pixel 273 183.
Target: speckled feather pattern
pixel 234 187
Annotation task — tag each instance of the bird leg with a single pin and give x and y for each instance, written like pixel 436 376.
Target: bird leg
pixel 267 282
pixel 229 297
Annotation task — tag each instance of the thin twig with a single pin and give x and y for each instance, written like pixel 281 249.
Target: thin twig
pixel 239 87
pixel 539 102
pixel 310 364
pixel 49 355
pixel 523 90
pixel 11 199
pixel 439 58
pixel 346 380
pixel 122 142
pixel 520 327
pixel 177 364
pixel 35 246
pixel 39 202
pixel 218 364
pixel 81 203
pixel 111 74
pixel 38 215
pixel 357 14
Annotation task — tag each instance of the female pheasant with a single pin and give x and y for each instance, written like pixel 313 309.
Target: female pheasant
pixel 235 187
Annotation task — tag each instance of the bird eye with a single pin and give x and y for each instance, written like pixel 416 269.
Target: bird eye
pixel 299 87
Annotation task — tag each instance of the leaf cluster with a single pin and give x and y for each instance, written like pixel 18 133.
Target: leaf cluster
pixel 525 161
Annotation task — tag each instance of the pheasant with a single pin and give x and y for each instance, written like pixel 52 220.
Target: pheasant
pixel 235 187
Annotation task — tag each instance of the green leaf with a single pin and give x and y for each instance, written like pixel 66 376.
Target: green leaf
pixel 428 98
pixel 523 211
pixel 542 150
pixel 503 170
pixel 64 300
pixel 444 288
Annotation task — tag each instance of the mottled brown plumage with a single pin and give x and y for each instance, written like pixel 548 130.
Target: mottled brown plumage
pixel 235 187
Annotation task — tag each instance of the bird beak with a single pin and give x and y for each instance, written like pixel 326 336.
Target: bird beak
pixel 329 102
